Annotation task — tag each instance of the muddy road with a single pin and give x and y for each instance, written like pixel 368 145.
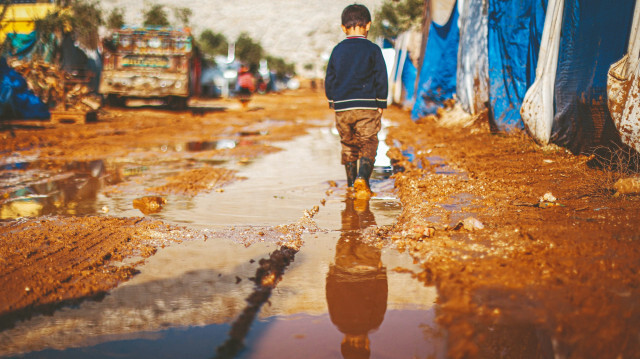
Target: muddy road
pixel 225 232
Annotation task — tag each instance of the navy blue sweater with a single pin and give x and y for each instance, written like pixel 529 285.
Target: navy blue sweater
pixel 356 76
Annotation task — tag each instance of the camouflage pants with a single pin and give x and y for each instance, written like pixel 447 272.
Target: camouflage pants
pixel 358 131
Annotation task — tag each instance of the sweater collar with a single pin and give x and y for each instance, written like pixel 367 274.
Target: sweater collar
pixel 356 37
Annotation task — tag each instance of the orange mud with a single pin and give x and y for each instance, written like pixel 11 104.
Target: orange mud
pixel 569 271
pixel 46 263
pixel 535 280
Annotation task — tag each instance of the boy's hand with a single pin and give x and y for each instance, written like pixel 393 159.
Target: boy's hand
pixel 380 110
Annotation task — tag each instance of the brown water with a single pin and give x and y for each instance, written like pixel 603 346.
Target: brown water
pixel 338 298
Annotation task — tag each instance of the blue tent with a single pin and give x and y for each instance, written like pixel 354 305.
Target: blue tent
pixel 409 74
pixel 437 81
pixel 17 101
pixel 514 33
pixel 594 35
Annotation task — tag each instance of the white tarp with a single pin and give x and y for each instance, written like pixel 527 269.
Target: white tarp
pixel 623 88
pixel 472 86
pixel 537 109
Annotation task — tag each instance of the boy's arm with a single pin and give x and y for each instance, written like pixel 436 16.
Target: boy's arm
pixel 329 81
pixel 381 80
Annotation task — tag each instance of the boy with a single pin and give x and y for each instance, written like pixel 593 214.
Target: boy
pixel 356 87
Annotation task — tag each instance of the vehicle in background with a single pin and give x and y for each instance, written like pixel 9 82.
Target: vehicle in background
pixel 150 63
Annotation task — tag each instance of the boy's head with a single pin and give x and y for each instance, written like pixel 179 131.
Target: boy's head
pixel 355 15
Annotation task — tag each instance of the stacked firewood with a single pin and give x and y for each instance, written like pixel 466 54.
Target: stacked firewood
pixel 59 89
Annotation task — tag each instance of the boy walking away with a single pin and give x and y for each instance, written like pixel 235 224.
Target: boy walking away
pixel 356 87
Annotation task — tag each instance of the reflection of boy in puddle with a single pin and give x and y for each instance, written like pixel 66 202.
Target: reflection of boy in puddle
pixel 356 283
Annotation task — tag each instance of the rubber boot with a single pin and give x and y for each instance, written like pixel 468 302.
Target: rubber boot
pixel 352 172
pixel 361 184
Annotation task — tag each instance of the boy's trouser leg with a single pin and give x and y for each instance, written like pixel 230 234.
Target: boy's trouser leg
pixel 358 131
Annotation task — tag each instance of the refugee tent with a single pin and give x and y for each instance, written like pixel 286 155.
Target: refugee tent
pixel 437 76
pixel 595 34
pixel 513 41
pixel 623 88
pixel 538 106
pixel 472 87
pixel 404 72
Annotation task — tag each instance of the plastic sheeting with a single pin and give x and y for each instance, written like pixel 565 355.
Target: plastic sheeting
pixel 623 88
pixel 594 35
pixel 17 101
pixel 514 33
pixel 472 89
pixel 21 45
pixel 437 81
pixel 537 108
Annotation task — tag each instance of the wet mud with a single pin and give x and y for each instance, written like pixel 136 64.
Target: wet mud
pixel 531 253
pixel 540 279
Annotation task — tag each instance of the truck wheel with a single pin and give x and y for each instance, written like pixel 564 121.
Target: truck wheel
pixel 116 101
pixel 177 103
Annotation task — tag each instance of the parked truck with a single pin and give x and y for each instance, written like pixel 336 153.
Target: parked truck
pixel 150 63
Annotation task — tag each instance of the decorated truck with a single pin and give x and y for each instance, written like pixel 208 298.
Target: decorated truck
pixel 150 63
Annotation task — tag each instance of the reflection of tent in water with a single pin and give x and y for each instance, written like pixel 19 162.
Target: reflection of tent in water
pixel 560 99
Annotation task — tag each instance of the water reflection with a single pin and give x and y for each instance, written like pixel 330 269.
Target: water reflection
pixel 357 285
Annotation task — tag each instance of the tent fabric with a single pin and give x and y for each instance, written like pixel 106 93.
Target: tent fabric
pixel 513 39
pixel 17 101
pixel 437 81
pixel 537 107
pixel 595 34
pixel 472 88
pixel 623 88
pixel 21 45
pixel 409 74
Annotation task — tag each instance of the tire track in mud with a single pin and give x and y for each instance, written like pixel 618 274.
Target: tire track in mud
pixel 268 274
pixel 58 261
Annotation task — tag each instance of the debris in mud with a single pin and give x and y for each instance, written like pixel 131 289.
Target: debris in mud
pixel 421 231
pixel 547 197
pixel 57 88
pixel 470 224
pixel 630 185
pixel 149 204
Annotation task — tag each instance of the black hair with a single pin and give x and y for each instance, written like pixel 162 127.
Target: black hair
pixel 355 15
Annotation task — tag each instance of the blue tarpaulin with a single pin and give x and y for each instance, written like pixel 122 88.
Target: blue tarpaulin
pixel 438 74
pixel 409 73
pixel 594 36
pixel 17 101
pixel 514 33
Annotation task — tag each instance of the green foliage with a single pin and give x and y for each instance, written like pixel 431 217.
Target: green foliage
pixel 182 15
pixel 82 18
pixel 248 51
pixel 395 17
pixel 280 67
pixel 115 20
pixel 156 16
pixel 212 43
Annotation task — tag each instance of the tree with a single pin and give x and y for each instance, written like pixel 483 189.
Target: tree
pixel 182 15
pixel 248 51
pixel 115 20
pixel 213 43
pixel 82 18
pixel 396 17
pixel 156 16
pixel 280 67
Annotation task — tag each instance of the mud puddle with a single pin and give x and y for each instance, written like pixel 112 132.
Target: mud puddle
pixel 341 294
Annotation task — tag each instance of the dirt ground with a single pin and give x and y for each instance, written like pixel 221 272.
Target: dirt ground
pixel 517 277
